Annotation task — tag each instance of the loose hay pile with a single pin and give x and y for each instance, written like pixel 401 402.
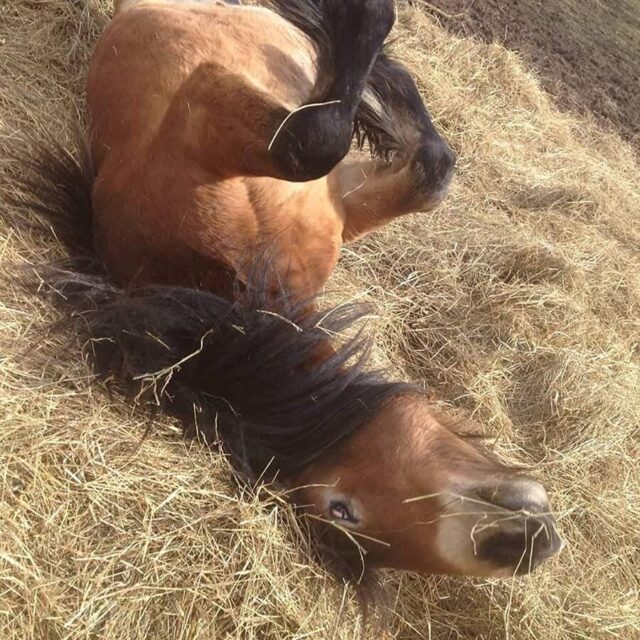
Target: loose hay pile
pixel 518 301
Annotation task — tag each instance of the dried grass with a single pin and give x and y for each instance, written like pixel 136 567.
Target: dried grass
pixel 518 301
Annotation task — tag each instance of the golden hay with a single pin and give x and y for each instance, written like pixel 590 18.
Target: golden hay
pixel 518 301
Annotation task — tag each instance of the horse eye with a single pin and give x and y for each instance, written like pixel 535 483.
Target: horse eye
pixel 340 511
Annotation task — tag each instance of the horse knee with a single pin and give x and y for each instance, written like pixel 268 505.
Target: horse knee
pixel 348 35
pixel 312 141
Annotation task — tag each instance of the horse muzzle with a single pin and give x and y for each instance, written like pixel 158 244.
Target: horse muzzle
pixel 515 531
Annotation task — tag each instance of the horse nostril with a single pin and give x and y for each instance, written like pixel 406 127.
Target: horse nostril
pixel 522 546
pixel 435 161
pixel 526 534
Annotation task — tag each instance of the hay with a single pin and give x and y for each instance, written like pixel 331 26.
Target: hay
pixel 518 301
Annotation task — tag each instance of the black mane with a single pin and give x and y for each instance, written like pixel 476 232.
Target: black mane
pixel 235 371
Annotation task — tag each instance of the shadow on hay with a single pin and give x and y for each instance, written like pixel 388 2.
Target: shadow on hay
pixel 234 371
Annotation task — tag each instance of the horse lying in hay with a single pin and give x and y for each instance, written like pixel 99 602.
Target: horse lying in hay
pixel 219 134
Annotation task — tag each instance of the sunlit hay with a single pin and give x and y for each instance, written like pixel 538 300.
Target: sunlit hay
pixel 517 302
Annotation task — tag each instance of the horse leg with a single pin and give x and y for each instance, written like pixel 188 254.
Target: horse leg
pixel 348 36
pixel 293 144
pixel 370 193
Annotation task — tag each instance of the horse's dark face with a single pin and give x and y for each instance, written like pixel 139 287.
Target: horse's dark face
pixel 417 497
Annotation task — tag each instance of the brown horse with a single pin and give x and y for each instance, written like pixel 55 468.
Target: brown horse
pixel 219 132
pixel 218 129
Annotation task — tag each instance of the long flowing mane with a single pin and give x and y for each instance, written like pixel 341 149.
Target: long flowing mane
pixel 236 371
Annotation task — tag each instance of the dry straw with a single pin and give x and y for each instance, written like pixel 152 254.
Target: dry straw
pixel 517 301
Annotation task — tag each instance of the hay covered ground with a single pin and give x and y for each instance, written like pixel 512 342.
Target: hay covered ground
pixel 585 52
pixel 518 302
